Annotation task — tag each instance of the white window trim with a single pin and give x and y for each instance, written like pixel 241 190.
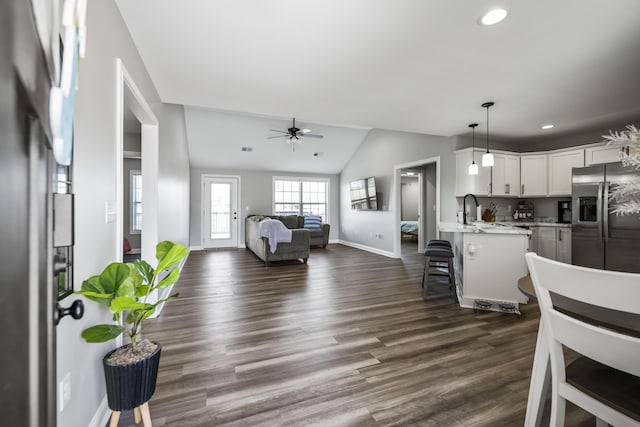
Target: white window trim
pixel 132 191
pixel 301 178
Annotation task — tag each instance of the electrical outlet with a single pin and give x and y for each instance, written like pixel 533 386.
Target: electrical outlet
pixel 64 392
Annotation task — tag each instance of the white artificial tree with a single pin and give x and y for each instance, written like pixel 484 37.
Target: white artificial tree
pixel 625 197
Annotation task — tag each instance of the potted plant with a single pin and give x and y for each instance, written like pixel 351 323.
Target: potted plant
pixel 131 370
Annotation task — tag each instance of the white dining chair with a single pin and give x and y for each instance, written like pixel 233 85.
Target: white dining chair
pixel 605 379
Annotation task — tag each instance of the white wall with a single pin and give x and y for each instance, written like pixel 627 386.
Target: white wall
pixel 174 175
pixel 94 173
pixel 377 155
pixel 256 198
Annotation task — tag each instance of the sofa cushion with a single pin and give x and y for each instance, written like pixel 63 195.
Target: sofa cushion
pixel 290 221
pixel 312 222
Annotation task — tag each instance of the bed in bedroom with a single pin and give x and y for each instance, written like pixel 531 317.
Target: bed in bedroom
pixel 409 229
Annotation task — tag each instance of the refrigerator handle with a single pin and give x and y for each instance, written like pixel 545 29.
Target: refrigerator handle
pixel 605 211
pixel 599 211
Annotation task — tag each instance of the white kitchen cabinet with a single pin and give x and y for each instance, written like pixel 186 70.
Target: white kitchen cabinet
pixel 560 170
pixel 602 154
pixel 533 175
pixel 547 242
pixel 551 242
pixel 563 245
pixel 505 175
pixel 474 184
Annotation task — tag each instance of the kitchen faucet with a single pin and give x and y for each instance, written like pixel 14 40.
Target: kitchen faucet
pixel 464 206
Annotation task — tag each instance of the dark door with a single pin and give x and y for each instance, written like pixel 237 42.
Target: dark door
pixel 621 232
pixel 587 242
pixel 27 364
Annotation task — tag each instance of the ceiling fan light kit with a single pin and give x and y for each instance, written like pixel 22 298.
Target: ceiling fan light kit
pixel 293 135
pixel 487 158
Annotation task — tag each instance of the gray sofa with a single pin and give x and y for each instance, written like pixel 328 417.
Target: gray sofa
pixel 297 249
pixel 316 237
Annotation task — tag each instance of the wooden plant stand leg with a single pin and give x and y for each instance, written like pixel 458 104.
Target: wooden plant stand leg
pixel 115 417
pixel 146 415
pixel 137 417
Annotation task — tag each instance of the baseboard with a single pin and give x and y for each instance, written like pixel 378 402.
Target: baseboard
pixel 196 248
pixel 242 246
pixel 334 241
pixel 368 249
pixel 101 417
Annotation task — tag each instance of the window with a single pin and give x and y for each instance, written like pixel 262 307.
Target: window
pixel 301 196
pixel 136 202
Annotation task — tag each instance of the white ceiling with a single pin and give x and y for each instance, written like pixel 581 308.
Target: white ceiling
pixel 414 65
pixel 216 138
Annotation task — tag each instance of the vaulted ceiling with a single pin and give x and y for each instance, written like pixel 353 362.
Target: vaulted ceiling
pixel 414 65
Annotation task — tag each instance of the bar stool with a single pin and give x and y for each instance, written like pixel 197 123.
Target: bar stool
pixel 438 262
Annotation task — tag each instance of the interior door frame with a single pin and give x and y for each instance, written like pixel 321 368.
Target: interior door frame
pixel 128 95
pixel 397 199
pixel 203 177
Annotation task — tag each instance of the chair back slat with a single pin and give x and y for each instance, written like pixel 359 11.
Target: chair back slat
pixel 610 289
pixel 599 344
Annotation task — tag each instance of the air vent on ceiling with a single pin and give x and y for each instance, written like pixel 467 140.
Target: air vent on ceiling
pixel 247 149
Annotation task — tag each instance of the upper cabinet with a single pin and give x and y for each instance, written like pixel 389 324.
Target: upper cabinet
pixel 505 178
pixel 474 184
pixel 602 154
pixel 533 175
pixel 560 170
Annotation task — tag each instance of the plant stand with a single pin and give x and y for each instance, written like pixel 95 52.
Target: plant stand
pixel 140 414
pixel 131 386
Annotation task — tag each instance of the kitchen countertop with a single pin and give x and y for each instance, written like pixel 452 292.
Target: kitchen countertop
pixel 535 224
pixel 482 227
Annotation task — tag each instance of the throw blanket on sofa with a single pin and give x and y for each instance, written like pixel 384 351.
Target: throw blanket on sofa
pixel 275 231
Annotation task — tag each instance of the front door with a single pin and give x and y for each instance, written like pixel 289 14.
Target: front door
pixel 220 212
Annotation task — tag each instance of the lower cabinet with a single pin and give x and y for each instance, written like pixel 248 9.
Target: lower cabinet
pixel 551 242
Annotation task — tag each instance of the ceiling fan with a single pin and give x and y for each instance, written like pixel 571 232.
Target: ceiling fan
pixel 294 135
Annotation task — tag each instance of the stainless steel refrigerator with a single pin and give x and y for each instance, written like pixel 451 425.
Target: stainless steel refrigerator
pixel 600 239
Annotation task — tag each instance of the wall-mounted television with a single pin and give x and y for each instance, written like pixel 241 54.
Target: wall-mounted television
pixel 363 194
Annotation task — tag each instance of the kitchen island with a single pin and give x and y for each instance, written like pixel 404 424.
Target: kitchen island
pixel 489 260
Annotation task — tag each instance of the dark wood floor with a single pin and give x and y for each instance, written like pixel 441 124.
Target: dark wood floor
pixel 345 340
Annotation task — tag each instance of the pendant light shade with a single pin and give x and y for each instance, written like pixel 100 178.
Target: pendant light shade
pixel 473 167
pixel 487 158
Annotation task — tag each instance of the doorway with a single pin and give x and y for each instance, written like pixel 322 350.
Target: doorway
pixel 411 203
pixel 132 188
pixel 131 104
pixel 220 199
pixel 428 201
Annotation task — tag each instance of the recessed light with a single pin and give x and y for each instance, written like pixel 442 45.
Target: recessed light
pixel 493 17
pixel 549 126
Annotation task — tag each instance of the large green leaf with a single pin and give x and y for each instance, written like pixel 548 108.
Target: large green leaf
pixel 142 291
pixel 93 290
pixel 175 255
pixel 126 289
pixel 92 284
pixel 145 270
pixel 163 248
pixel 101 333
pixel 113 276
pixel 170 279
pixel 120 304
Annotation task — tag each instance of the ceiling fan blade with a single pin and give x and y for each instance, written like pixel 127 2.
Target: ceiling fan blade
pixel 277 136
pixel 312 135
pixel 276 130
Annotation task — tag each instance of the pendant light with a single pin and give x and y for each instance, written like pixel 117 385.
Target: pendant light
pixel 473 167
pixel 487 158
